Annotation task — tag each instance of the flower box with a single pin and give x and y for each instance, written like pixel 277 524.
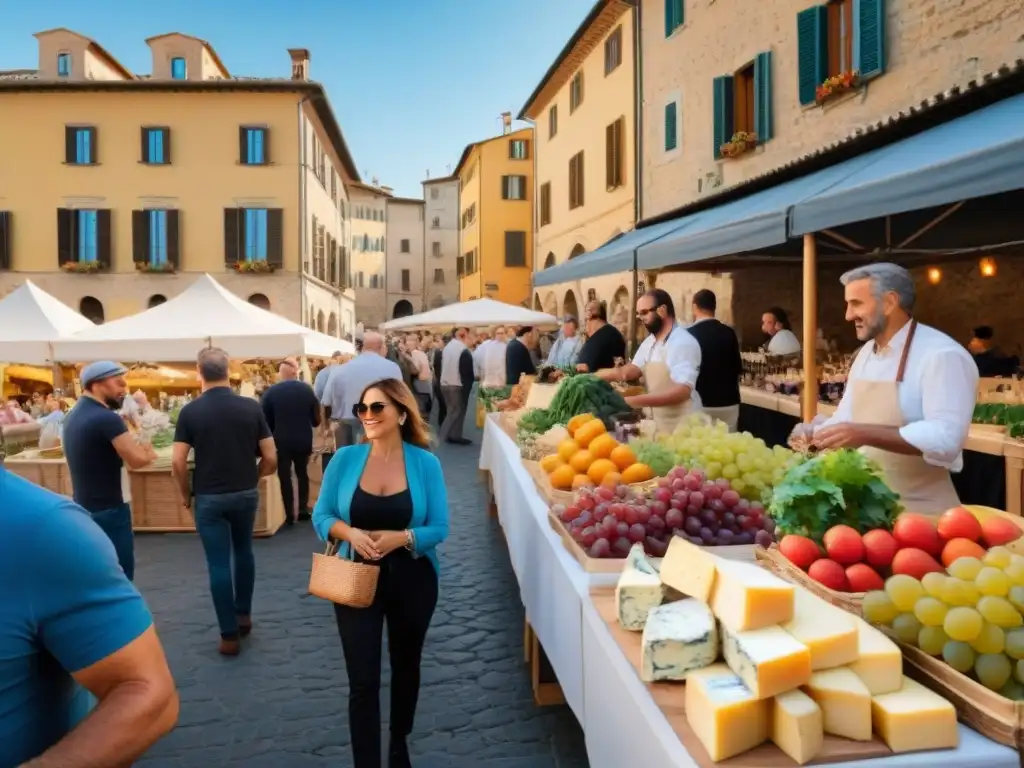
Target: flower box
pixel 835 86
pixel 160 269
pixel 259 267
pixel 83 267
pixel 740 143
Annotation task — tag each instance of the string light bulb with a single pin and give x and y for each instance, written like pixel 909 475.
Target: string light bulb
pixel 934 275
pixel 987 267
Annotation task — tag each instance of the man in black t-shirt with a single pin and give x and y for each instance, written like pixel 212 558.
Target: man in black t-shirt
pixel 721 366
pixel 518 360
pixel 227 432
pixel 604 342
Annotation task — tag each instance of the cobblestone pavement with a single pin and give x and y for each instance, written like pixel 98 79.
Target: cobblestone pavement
pixel 283 702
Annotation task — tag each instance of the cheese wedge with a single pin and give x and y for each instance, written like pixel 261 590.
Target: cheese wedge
pixel 797 726
pixel 879 662
pixel 829 633
pixel 748 597
pixel 845 703
pixel 689 569
pixel 723 713
pixel 638 590
pixel 678 638
pixel 914 718
pixel 767 660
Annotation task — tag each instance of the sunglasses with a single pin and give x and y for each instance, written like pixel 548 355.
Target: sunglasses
pixel 359 410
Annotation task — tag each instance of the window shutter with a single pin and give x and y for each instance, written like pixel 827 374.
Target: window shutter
pixel 145 144
pixel 140 237
pixel 166 144
pixel 671 127
pixel 94 147
pixel 763 96
pixel 723 106
pixel 275 237
pixel 812 51
pixel 173 239
pixel 266 148
pixel 65 236
pixel 5 240
pixel 673 15
pixel 233 235
pixel 869 38
pixel 69 144
pixel 526 149
pixel 243 145
pixel 609 156
pixel 104 254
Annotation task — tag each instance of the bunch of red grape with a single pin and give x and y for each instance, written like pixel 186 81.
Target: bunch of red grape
pixel 606 522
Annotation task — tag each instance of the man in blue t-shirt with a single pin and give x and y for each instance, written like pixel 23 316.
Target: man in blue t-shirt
pixel 72 624
pixel 97 445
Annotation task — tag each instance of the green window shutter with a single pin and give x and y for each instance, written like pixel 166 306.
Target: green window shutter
pixel 812 51
pixel 869 38
pixel 671 127
pixel 763 96
pixel 723 104
pixel 673 16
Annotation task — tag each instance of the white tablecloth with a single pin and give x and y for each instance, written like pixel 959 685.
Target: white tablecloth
pixel 622 724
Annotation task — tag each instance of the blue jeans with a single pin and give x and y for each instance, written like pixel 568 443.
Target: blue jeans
pixel 225 522
pixel 116 522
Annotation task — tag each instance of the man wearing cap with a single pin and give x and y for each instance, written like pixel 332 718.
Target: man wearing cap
pixel 97 446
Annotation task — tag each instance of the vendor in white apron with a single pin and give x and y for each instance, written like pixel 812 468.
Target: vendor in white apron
pixel 668 360
pixel 909 395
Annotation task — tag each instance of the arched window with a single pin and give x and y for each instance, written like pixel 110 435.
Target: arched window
pixel 156 300
pixel 260 300
pixel 92 309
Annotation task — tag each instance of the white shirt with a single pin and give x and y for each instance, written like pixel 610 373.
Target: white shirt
pixel 680 352
pixel 940 385
pixel 450 363
pixel 784 342
pixel 346 382
pixel 489 363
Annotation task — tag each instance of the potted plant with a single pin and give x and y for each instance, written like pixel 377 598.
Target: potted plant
pixel 260 267
pixel 740 143
pixel 162 268
pixel 836 85
pixel 82 267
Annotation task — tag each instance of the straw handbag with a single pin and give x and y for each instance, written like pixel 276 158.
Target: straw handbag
pixel 342 581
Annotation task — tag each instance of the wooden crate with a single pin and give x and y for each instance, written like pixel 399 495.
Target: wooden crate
pixel 547 691
pixel 156 504
pixel 29 470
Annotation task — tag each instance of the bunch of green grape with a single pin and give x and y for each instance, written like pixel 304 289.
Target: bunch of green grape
pixel 750 466
pixel 972 617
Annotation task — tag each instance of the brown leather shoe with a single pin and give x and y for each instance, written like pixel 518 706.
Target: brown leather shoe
pixel 230 647
pixel 244 625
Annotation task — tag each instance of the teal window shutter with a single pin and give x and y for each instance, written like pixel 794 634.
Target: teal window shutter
pixel 671 127
pixel 812 51
pixel 723 106
pixel 869 38
pixel 673 16
pixel 763 96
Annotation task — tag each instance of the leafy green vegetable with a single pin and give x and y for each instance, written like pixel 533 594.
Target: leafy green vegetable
pixel 1006 415
pixel 841 487
pixel 163 439
pixel 584 393
pixel 491 395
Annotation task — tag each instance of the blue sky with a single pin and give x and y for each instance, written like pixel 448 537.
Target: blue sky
pixel 412 81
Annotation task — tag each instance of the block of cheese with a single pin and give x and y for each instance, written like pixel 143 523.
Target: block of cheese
pixel 768 660
pixel 914 718
pixel 678 638
pixel 829 633
pixel 724 714
pixel 638 590
pixel 845 702
pixel 797 726
pixel 689 569
pixel 879 662
pixel 748 597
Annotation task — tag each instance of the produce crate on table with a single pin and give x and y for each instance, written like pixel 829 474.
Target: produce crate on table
pixel 156 504
pixel 49 473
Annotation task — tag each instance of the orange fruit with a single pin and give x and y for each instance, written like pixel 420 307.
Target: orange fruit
pixel 578 421
pixel 562 477
pixel 581 461
pixel 962 547
pixel 550 463
pixel 623 457
pixel 581 481
pixel 588 432
pixel 612 479
pixel 599 469
pixel 567 448
pixel 637 473
pixel 602 446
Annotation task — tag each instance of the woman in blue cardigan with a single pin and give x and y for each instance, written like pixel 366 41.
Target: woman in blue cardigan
pixel 385 500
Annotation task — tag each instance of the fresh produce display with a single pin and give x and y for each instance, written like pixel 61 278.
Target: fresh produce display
pixel 579 394
pixel 763 660
pixel 163 439
pixel 544 373
pixel 847 561
pixel 1006 415
pixel 842 487
pixel 589 457
pixel 608 520
pixel 491 396
pixel 750 466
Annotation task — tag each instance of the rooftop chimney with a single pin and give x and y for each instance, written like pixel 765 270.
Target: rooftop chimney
pixel 506 123
pixel 300 63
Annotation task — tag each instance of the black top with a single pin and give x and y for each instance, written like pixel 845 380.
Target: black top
pixel 291 411
pixel 518 361
pixel 991 363
pixel 95 466
pixel 601 348
pixel 467 373
pixel 225 430
pixel 437 366
pixel 370 512
pixel 721 366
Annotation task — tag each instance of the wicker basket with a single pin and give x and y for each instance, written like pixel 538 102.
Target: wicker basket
pixel 778 564
pixel 156 504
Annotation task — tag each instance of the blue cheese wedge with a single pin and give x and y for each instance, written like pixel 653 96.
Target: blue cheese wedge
pixel 678 638
pixel 638 591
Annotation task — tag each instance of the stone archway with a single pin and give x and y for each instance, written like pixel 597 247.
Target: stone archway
pixel 577 250
pixel 320 325
pixel 156 300
pixel 537 306
pixel 91 308
pixel 332 325
pixel 260 300
pixel 550 303
pixel 549 260
pixel 311 317
pixel 403 308
pixel 569 305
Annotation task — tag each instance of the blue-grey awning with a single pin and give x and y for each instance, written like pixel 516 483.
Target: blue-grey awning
pixel 979 154
pixel 612 257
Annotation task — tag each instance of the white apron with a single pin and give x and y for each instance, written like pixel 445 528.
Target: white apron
pixel 922 487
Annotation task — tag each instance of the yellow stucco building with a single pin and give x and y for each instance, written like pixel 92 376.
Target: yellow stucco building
pixel 584 157
pixel 496 201
pixel 118 189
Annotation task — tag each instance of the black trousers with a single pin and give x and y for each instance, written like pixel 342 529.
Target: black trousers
pixel 405 600
pixel 286 459
pixel 442 408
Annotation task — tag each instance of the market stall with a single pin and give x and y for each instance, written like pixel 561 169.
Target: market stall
pixel 477 313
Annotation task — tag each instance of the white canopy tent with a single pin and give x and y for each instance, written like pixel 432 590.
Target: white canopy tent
pixel 205 314
pixel 31 320
pixel 471 314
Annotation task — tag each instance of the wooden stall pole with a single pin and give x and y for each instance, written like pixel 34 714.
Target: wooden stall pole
pixel 809 395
